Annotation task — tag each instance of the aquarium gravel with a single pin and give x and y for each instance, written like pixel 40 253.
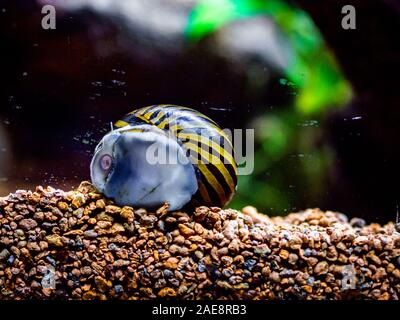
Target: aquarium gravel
pixel 79 245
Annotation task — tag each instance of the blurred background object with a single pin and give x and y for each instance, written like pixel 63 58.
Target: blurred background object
pixel 320 98
pixel 4 157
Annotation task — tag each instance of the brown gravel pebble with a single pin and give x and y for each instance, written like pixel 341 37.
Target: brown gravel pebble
pixel 79 245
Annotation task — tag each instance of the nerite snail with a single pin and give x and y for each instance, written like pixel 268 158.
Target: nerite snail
pixel 121 170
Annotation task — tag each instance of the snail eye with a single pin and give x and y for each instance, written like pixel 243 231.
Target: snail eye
pixel 106 162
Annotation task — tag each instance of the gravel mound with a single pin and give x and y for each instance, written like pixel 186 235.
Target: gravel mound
pixel 79 245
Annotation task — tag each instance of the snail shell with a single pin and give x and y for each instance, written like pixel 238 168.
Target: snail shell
pixel 124 167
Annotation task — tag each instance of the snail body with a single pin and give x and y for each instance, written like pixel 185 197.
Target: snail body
pixel 123 166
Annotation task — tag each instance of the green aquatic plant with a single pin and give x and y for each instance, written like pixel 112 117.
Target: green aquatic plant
pixel 292 159
pixel 313 69
pixel 291 165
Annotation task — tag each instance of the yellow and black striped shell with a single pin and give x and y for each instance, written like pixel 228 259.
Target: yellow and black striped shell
pixel 211 179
